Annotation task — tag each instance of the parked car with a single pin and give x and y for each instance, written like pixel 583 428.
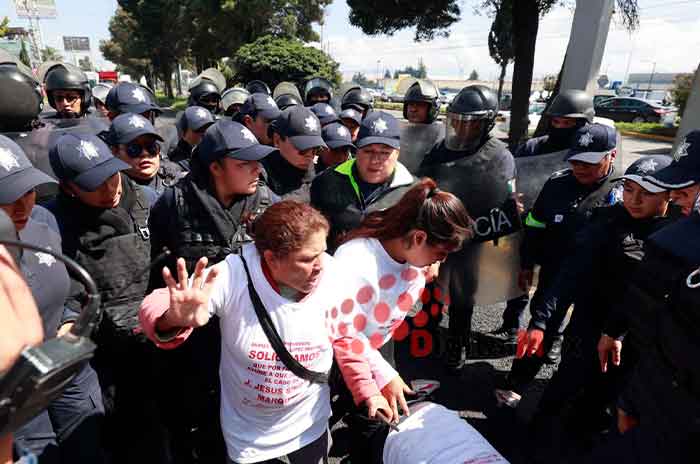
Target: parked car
pixel 629 109
pixel 534 114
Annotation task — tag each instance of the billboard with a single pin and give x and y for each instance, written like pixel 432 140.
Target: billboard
pixel 42 9
pixel 76 44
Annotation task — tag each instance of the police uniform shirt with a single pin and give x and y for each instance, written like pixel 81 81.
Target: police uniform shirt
pixel 46 276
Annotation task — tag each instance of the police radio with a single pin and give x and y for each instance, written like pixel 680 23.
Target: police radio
pixel 41 373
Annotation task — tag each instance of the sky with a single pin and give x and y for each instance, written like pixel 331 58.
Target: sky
pixel 667 36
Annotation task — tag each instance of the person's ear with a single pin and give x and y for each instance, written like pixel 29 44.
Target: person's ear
pixel 270 260
pixel 248 121
pixel 215 169
pixel 419 238
pixel 613 154
pixel 70 188
pixel 115 150
pixel 276 140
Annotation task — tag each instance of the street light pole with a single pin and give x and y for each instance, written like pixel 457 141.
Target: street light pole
pixel 651 77
pixel 376 84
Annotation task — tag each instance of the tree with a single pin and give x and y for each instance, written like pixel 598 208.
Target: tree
pixel 360 79
pixel 500 40
pixel 549 82
pixel 24 55
pixel 682 84
pixel 474 76
pixel 86 64
pixel 421 72
pixel 4 26
pixel 124 51
pixel 50 54
pixel 387 74
pixel 274 60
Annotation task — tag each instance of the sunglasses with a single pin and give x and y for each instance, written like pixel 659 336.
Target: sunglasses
pixel 135 150
pixel 70 99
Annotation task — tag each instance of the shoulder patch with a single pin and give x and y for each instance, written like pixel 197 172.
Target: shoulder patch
pixel 561 173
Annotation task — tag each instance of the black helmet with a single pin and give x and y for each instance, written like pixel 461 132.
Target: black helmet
pixel 572 104
pixel 423 92
pixel 317 90
pixel 233 96
pixel 205 89
pixel 472 103
pixel 68 77
pixel 286 100
pixel 357 99
pixel 20 99
pixel 258 87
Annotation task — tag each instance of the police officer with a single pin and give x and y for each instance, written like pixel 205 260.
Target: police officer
pixel 340 147
pixel 561 210
pixel 127 97
pixel 20 99
pixel 206 94
pixel 570 110
pixel 286 100
pixel 103 219
pixel 607 251
pixel 317 90
pixel 256 86
pixel 352 119
pixel 479 170
pixel 68 92
pixel 373 180
pixel 209 213
pixel 192 125
pixel 232 99
pixel 296 134
pixel 134 140
pixel 325 113
pixel 421 107
pixel 69 429
pixel 358 99
pixel 257 112
pixel 99 97
pixel 659 413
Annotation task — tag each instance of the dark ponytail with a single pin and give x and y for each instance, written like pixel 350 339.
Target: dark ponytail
pixel 441 215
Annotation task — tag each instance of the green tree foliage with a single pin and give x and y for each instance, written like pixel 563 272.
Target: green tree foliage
pixel 474 75
pixel 387 74
pixel 421 72
pixel 274 60
pixel 359 78
pixel 85 64
pixel 431 18
pixel 682 84
pixel 4 26
pixel 24 55
pixel 50 54
pixel 124 51
pixel 501 40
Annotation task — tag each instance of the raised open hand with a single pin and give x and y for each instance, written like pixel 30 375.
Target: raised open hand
pixel 188 304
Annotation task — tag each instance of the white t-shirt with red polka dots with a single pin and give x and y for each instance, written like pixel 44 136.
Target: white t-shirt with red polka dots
pixel 374 313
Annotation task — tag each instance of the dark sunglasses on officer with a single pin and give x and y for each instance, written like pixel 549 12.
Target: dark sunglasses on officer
pixel 137 150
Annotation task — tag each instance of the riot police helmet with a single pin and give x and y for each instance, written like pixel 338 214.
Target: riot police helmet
pixel 575 104
pixel 317 90
pixel 20 99
pixel 205 93
pixel 232 100
pixel 100 91
pixel 423 92
pixel 470 118
pixel 257 86
pixel 358 99
pixel 68 77
pixel 286 100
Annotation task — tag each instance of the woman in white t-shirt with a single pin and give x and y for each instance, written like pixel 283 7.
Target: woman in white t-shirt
pixel 266 411
pixel 392 250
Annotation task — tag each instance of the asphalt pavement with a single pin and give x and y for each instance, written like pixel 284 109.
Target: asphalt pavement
pixel 471 392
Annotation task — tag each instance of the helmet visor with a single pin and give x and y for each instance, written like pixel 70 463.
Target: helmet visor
pixel 464 131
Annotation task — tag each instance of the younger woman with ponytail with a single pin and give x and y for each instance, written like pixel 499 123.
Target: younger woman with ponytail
pixel 390 250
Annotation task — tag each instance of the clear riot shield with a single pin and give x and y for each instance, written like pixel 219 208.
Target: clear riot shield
pixel 416 142
pixel 533 171
pixel 498 265
pixel 36 144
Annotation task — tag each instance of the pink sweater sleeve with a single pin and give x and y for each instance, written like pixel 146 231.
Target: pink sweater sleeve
pixel 152 308
pixel 355 369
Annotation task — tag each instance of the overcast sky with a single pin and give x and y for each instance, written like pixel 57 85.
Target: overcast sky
pixel 668 36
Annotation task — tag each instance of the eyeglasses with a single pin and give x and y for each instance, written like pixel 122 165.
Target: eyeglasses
pixel 135 150
pixel 70 99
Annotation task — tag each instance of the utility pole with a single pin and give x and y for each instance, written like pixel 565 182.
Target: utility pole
pixel 651 77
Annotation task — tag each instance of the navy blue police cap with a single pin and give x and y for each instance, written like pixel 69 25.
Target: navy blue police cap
pixel 127 127
pixel 337 135
pixel 592 143
pixel 127 97
pixel 684 169
pixel 646 166
pixel 230 139
pixel 85 160
pixel 196 118
pixel 260 104
pixel 351 113
pixel 17 175
pixel 301 126
pixel 379 127
pixel 325 113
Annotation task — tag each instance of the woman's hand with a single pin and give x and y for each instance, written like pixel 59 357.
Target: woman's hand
pixel 188 305
pixel 377 404
pixel 431 272
pixel 394 392
pixel 607 347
